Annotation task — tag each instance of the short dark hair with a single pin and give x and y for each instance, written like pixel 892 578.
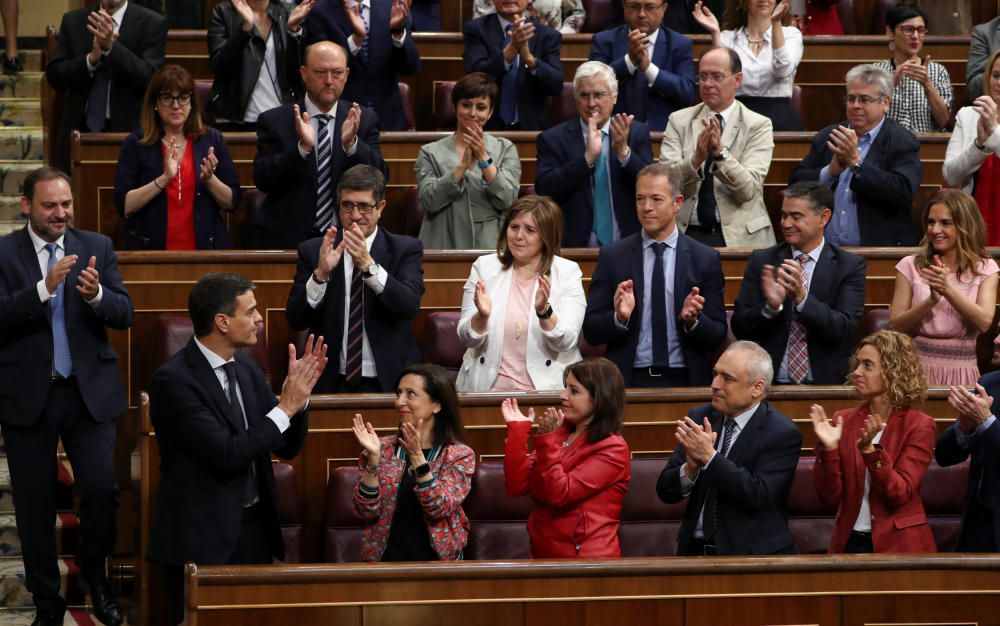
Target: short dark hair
pixel 475 85
pixel 42 175
pixel 440 386
pixel 363 178
pixel 819 195
pixel 603 381
pixel 901 12
pixel 670 171
pixel 214 294
pixel 548 221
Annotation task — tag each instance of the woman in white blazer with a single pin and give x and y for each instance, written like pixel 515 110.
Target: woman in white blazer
pixel 523 306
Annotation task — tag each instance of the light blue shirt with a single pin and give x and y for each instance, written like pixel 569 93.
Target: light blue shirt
pixel 843 229
pixel 964 440
pixel 644 351
pixel 606 152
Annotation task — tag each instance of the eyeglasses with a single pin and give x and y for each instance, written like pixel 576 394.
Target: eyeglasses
pixel 648 7
pixel 168 99
pixel 910 31
pixel 596 95
pixel 364 208
pixel 715 77
pixel 862 99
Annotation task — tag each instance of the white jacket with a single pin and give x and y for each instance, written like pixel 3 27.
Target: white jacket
pixel 962 159
pixel 548 353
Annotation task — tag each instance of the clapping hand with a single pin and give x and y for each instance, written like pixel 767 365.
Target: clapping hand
pixel 412 442
pixel 329 254
pixel 694 302
pixel 620 124
pixel 349 129
pixel 827 431
pixel 171 161
pixel 302 375
pixel 510 412
pixel 793 279
pixel 481 298
pixel 987 123
pixel 299 14
pixel 624 301
pixel 872 426
pixel 101 25
pixel 89 281
pixel 843 143
pixel 638 51
pixel 367 437
pixel 398 13
pixel 698 441
pixel 773 289
pixel 353 12
pixel 705 18
pixel 245 12
pixel 780 11
pixel 551 420
pixel 936 277
pixel 973 408
pixel 304 130
pixel 57 274
pixel 542 293
pixel 208 165
pixel 595 143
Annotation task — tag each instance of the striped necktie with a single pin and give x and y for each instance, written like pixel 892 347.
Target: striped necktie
pixel 366 42
pixel 710 515
pixel 355 329
pixel 798 350
pixel 324 182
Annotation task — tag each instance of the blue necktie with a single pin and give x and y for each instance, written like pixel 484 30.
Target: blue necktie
pixel 508 86
pixel 324 184
pixel 602 198
pixel 658 300
pixel 62 362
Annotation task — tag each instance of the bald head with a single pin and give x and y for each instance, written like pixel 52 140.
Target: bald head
pixel 324 73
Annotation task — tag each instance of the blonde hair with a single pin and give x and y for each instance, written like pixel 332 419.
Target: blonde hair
pixel 970 243
pixel 902 369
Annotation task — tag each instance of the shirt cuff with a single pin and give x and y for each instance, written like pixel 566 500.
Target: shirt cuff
pixel 629 65
pixel 303 153
pixel 43 293
pixel 91 68
pixel 624 162
pixel 96 302
pixel 687 484
pixel 651 73
pixel 315 292
pixel 350 44
pixel 801 305
pixel 618 324
pixel 297 34
pixel 963 438
pixel 377 282
pixel 354 147
pixel 398 43
pixel 279 418
pixel 825 177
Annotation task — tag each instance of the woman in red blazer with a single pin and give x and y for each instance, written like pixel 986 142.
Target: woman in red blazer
pixel 580 469
pixel 872 466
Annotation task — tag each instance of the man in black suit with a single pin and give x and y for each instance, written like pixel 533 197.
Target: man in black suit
pixel 871 163
pixel 378 35
pixel 60 289
pixel 303 148
pixel 523 56
pixel 106 54
pixel 734 464
pixel 593 156
pixel 656 296
pixel 802 299
pixel 359 287
pixel 976 435
pixel 217 422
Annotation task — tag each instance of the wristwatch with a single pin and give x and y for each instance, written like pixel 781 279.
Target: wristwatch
pixel 371 270
pixel 546 312
pixel 484 164
pixel 722 155
pixel 318 281
pixel 774 312
pixel 856 168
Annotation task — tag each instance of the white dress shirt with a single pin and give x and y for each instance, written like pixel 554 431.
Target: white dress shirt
pixel 771 73
pixel 652 71
pixel 43 264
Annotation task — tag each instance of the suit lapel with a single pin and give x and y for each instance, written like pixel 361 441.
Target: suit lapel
pixel 29 258
pixel 494 34
pixel 637 276
pixel 823 273
pixel 574 141
pixel 681 263
pixel 660 49
pixel 206 377
pixel 71 298
pixel 748 435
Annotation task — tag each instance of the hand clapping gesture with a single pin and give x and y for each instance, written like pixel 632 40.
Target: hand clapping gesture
pixel 209 164
pixel 302 375
pixel 57 274
pixel 936 277
pixel 484 305
pixel 550 421
pixel 827 431
pixel 872 426
pixel 367 437
pixel 299 14
pixel 973 408
pixel 706 19
pixel 89 280
pixel 638 52
pixel 542 293
pixel 349 129
pixel 412 442
pixel 329 254
pixel 624 301
pixel 698 441
pixel 303 129
pixel 987 123
pixel 595 142
pixel 694 302
pixel 620 124
pixel 171 161
pixel 245 12
pixel 398 13
pixel 843 143
pixel 510 412
pixel 773 289
pixel 357 22
pixel 780 11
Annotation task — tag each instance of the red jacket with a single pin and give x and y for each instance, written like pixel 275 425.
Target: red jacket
pixel 897 468
pixel 578 490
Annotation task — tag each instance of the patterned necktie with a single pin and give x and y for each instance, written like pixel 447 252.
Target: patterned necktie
pixel 603 225
pixel 658 300
pixel 508 85
pixel 355 329
pixel 324 182
pixel 798 351
pixel 706 193
pixel 62 362
pixel 250 490
pixel 710 516
pixel 366 42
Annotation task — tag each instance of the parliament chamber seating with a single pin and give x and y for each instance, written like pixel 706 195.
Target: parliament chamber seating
pixel 174 331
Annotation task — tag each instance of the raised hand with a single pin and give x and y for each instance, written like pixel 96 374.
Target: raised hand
pixel 89 280
pixel 698 441
pixel 398 13
pixel 353 12
pixel 303 129
pixel 411 441
pixel 637 50
pixel 705 18
pixel 299 14
pixel 329 254
pixel 987 109
pixel 703 146
pixel 59 272
pixel 510 412
pixel 827 431
pixel 367 437
pixel 620 124
pixel 302 375
pixel 549 421
pixel 973 408
pixel 542 293
pixel 171 161
pixel 872 426
pixel 694 302
pixel 349 129
pixel 208 165
pixel 484 305
pixel 595 143
pixel 773 290
pixel 246 14
pixel 624 301
pixel 780 11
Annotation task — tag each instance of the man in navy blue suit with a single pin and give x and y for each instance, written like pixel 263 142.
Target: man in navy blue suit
pixel 360 287
pixel 522 55
pixel 378 37
pixel 60 290
pixel 654 64
pixel 656 296
pixel 593 156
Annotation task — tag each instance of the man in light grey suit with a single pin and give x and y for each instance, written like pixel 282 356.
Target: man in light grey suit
pixel 985 40
pixel 723 151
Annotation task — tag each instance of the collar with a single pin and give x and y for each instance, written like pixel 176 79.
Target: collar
pixel 671 239
pixel 370 239
pixel 365 3
pixel 503 23
pixel 40 243
pixel 313 109
pixel 743 31
pixel 744 417
pixel 814 255
pixel 214 360
pixel 726 113
pixel 873 133
pixel 119 15
pixel 606 128
pixel 651 38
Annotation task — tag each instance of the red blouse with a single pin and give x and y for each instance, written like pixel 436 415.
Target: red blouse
pixel 180 202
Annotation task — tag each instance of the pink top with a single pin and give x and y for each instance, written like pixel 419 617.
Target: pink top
pixel 513 374
pixel 943 321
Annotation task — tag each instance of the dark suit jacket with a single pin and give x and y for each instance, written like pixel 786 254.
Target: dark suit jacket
pixel 890 176
pixel 146 229
pixel 752 485
pixel 985 39
pixel 984 471
pixel 290 181
pixel 677 16
pixel 387 316
pixel 563 173
pixel 674 87
pixel 831 312
pixel 134 58
pixel 26 329
pixel 696 265
pixel 205 456
pixel 483 52
pixel 373 84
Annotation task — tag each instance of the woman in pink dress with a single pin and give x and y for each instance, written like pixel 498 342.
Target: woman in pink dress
pixel 946 294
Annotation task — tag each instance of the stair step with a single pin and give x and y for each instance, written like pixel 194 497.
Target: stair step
pixel 12 175
pixel 32 60
pixel 14 594
pixel 21 143
pixel 20 112
pixel 23 85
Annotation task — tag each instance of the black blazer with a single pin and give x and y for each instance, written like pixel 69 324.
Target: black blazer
pixel 287 216
pixel 26 329
pixel 562 172
pixel 752 484
pixel 890 176
pixel 387 316
pixel 205 456
pixel 830 315
pixel 134 58
pixel 697 265
pixel 483 39
pixel 237 59
pixel 984 473
pixel 146 229
pixel 374 84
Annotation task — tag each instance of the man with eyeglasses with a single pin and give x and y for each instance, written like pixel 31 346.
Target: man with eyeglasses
pixel 303 148
pixel 105 57
pixel 723 151
pixel 871 163
pixel 359 287
pixel 653 64
pixel 588 164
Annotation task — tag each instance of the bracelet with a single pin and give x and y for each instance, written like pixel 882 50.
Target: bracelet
pixel 157 186
pixel 545 313
pixel 981 147
pixel 318 281
pixel 420 470
pixel 372 468
pixel 484 164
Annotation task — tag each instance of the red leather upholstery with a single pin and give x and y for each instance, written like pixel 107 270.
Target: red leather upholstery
pixel 872 321
pixel 442 110
pixel 649 527
pixel 497 519
pixel 440 343
pixel 342 529
pixel 408 115
pixel 943 493
pixel 810 520
pixel 291 510
pixel 563 107
pixel 174 331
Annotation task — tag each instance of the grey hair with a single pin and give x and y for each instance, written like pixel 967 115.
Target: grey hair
pixel 596 68
pixel 758 363
pixel 668 170
pixel 870 75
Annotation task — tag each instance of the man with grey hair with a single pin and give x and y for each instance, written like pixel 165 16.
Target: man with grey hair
pixel 871 163
pixel 734 463
pixel 589 164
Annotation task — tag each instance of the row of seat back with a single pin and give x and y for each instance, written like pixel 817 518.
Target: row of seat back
pixel 649 527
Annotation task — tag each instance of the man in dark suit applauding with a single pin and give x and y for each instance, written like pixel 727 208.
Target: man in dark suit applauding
pixel 303 148
pixel 656 296
pixel 802 299
pixel 522 55
pixel 734 464
pixel 217 422
pixel 60 289
pixel 359 287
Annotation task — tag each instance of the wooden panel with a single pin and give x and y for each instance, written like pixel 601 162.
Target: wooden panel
pixel 752 611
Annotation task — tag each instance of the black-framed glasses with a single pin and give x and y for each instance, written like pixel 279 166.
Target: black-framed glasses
pixel 364 208
pixel 862 99
pixel 910 31
pixel 168 99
